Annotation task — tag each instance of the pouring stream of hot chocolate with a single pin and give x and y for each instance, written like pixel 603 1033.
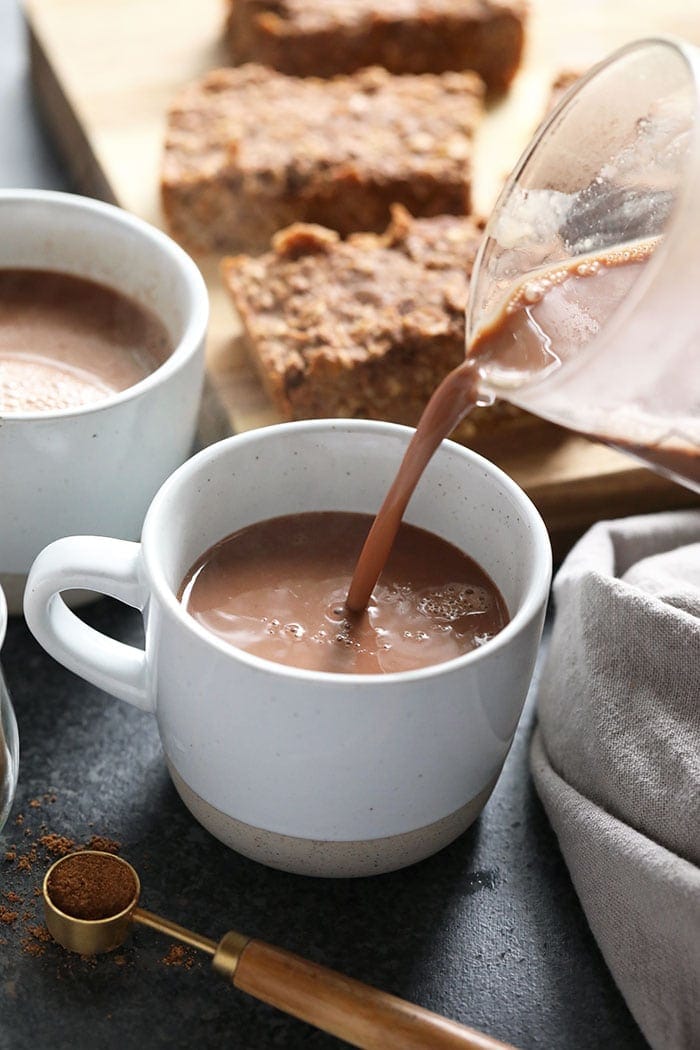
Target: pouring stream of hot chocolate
pixel 454 398
pixel 550 316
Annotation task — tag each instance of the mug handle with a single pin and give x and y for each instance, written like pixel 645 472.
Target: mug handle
pixel 80 562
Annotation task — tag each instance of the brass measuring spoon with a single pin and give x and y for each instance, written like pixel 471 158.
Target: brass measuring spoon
pixel 355 1012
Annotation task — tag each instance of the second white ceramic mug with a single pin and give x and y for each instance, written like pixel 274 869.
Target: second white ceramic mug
pixel 324 774
pixel 97 467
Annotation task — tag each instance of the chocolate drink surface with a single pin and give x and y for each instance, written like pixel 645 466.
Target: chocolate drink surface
pixel 67 341
pixel 277 589
pixel 549 317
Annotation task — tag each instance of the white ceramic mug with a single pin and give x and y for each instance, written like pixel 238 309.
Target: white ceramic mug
pixel 97 467
pixel 322 774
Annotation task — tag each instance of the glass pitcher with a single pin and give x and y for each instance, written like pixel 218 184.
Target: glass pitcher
pixel 9 745
pixel 612 174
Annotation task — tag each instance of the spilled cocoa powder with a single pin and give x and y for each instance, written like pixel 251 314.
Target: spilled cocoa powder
pixel 35 943
pixel 58 845
pixel 102 843
pixel 21 913
pixel 178 955
pixel 23 860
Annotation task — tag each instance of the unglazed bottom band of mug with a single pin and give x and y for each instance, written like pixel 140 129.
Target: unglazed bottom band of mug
pixel 331 859
pixel 13 585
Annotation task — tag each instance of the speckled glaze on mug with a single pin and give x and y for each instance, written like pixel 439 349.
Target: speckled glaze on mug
pixel 96 468
pixel 316 773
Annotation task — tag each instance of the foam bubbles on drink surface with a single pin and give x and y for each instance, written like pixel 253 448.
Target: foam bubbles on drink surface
pixel 453 601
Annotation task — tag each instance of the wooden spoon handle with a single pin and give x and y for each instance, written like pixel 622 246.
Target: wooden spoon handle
pixel 353 1011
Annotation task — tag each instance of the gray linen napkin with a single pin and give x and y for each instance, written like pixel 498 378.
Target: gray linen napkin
pixel 616 757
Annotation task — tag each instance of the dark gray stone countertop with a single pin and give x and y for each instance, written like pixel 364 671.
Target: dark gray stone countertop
pixel 489 931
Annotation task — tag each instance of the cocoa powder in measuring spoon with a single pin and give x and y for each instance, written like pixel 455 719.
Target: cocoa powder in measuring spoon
pixel 89 886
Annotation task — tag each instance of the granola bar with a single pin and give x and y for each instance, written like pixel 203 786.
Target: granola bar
pixel 249 151
pixel 360 328
pixel 326 37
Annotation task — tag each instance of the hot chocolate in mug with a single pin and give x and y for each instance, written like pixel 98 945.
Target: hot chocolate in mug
pixel 308 771
pixel 97 466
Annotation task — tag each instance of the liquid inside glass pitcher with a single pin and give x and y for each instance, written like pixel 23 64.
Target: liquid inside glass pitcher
pixel 585 297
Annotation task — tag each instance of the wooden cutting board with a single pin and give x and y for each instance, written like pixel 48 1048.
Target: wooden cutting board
pixel 104 74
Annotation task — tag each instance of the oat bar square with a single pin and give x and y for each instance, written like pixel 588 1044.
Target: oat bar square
pixel 249 151
pixel 360 328
pixel 326 37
